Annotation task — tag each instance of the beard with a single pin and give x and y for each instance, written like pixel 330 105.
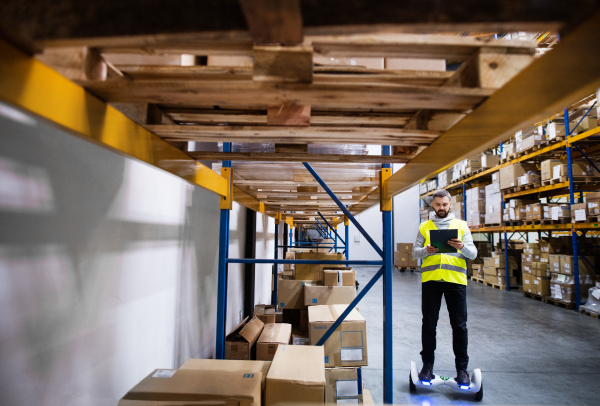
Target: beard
pixel 442 213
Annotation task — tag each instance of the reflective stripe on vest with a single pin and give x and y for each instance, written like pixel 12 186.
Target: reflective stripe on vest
pixel 450 267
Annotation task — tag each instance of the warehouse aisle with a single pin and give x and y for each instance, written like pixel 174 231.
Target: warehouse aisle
pixel 530 353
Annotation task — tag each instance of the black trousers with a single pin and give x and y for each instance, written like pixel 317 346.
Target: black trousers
pixel 456 301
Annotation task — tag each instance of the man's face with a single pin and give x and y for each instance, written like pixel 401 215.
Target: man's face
pixel 442 206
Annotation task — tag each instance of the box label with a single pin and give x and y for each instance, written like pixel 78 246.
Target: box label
pixel 347 401
pixel 351 354
pixel 164 373
pixel 346 388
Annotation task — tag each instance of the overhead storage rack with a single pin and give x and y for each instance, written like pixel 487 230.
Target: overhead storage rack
pixel 306 122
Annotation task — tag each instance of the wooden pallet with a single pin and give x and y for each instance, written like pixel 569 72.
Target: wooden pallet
pixel 511 223
pixel 403 269
pixel 495 285
pixel 493 225
pixel 593 314
pixel 560 303
pixel 535 297
pixel 532 222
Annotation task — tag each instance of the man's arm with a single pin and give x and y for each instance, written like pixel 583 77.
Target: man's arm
pixel 469 249
pixel 419 251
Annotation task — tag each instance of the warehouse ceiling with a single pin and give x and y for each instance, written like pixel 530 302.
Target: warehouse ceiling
pixel 289 82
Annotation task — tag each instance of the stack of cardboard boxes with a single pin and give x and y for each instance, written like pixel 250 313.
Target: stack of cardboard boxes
pixel 493 201
pixel 536 273
pixel 562 283
pixel 296 375
pixel 458 208
pixel 403 258
pixel 311 303
pixel 509 175
pixel 494 269
pixel 476 206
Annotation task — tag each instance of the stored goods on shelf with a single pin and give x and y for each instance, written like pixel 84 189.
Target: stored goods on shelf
pixel 593 203
pixel 240 342
pixel 328 295
pixel 273 335
pixel 265 313
pixel 510 174
pixel 333 277
pixel 314 272
pixel 489 161
pixel 347 346
pixel 170 386
pixel 296 375
pixel 343 385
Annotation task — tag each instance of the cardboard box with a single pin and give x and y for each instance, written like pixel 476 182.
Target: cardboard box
pixel 541 286
pixel 561 211
pixel 239 343
pixel 339 278
pixel 509 174
pixel 328 295
pixel 300 337
pixel 265 313
pixel 501 280
pixel 489 161
pixel 528 283
pixel 297 375
pixel 343 385
pixel 272 336
pixel 593 202
pixel 579 212
pixel 348 345
pixel 554 263
pixel 290 293
pixel 229 365
pixel 566 265
pixel 166 387
pixel 547 167
pixel 540 269
pixel 404 247
pixel 489 262
pixel 314 272
pixel 491 278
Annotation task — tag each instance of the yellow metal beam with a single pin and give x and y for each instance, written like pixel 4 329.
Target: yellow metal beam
pixel 32 86
pixel 384 200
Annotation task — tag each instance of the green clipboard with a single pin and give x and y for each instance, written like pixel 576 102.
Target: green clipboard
pixel 439 239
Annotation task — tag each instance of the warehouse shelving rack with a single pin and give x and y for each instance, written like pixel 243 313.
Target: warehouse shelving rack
pixel 568 188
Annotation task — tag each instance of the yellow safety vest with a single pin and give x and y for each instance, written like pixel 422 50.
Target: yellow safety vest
pixel 444 267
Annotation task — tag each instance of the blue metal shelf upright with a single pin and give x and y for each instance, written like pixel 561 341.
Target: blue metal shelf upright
pixel 386 264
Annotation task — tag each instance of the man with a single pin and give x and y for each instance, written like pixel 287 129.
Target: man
pixel 444 275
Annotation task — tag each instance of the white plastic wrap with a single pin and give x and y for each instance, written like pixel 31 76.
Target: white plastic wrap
pixel 593 302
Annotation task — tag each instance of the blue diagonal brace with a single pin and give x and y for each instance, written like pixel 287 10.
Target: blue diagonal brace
pixel 584 116
pixel 351 306
pixel 343 208
pixel 331 228
pixel 321 229
pixel 586 157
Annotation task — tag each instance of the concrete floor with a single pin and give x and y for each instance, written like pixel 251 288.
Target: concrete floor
pixel 530 353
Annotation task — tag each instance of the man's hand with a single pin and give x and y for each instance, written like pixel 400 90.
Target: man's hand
pixel 431 249
pixel 456 243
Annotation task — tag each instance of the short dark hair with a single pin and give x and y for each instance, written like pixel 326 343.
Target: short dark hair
pixel 441 193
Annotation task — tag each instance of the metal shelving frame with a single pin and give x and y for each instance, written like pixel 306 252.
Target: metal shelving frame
pixel 568 187
pixel 385 271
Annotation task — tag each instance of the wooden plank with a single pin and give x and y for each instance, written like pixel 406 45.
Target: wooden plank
pixel 455 48
pixel 273 21
pixel 296 135
pixel 288 114
pixel 551 82
pixel 283 64
pixel 321 74
pixel 297 157
pixel 79 63
pixel 291 148
pixel 489 69
pixel 258 117
pixel 338 95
